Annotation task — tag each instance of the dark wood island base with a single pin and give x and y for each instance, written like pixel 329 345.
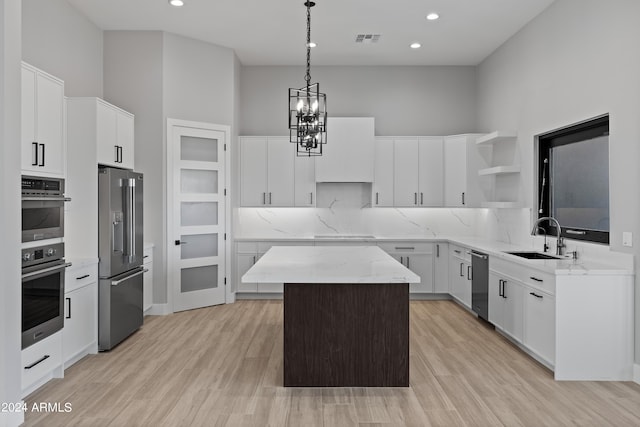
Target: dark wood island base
pixel 346 335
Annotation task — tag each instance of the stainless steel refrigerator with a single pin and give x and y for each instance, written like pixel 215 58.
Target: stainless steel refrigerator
pixel 120 247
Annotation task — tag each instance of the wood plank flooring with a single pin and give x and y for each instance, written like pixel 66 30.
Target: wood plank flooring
pixel 222 366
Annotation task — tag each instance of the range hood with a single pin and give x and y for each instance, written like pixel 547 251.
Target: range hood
pixel 349 153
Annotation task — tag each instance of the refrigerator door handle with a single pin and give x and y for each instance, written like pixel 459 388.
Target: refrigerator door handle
pixel 129 199
pixel 137 273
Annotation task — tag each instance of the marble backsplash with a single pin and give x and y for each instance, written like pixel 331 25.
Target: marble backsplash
pixel 396 222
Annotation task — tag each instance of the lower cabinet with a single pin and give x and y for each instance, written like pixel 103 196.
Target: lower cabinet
pixel 147 278
pixel 540 323
pixel 417 257
pixel 506 305
pixel 41 362
pixel 441 268
pixel 80 332
pixel 460 274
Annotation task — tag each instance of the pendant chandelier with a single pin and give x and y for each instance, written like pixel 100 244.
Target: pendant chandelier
pixel 308 108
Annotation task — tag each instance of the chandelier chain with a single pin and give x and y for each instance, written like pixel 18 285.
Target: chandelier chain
pixel 307 76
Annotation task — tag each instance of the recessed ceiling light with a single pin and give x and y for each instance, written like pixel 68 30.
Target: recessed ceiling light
pixel 433 16
pixel 176 3
pixel 312 44
pixel 415 45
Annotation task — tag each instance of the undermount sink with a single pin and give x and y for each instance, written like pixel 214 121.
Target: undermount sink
pixel 533 255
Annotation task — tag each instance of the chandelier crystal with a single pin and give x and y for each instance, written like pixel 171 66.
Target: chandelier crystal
pixel 308 108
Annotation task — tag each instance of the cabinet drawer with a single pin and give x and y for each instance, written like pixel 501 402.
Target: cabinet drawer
pixel 460 252
pixel 409 247
pixel 77 277
pixel 147 256
pixel 527 275
pixel 41 359
pixel 247 247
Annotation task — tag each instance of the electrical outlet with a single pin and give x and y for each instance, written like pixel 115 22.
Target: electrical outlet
pixel 627 238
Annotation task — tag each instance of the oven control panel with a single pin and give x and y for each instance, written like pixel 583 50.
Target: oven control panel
pixel 42 254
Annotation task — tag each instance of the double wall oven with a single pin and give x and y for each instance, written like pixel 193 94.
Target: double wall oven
pixel 43 266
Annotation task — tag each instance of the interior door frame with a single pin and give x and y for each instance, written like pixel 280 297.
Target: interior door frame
pixel 226 130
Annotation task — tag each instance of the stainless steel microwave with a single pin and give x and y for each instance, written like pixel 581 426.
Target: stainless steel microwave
pixel 42 208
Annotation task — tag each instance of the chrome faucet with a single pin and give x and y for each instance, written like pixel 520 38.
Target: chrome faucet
pixel 560 246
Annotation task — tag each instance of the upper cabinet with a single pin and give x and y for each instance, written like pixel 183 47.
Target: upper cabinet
pixel 418 172
pixel 43 148
pixel 349 152
pixel 461 164
pixel 383 173
pixel 114 135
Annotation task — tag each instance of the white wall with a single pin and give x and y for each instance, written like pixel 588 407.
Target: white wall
pixel 133 81
pixel 157 76
pixel 403 100
pixel 576 60
pixel 10 285
pixel 63 42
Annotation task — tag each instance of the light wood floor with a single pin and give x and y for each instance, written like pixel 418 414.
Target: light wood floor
pixel 222 366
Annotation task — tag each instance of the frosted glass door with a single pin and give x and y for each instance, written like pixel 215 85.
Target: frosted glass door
pixel 198 212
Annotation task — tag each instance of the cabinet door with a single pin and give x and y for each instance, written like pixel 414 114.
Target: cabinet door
pixel 405 171
pixel 244 262
pixel 253 171
pixel 280 172
pixel 49 123
pixel 457 277
pixel 455 170
pixel 107 135
pixel 305 180
pixel 80 322
pixel 422 265
pixel 466 285
pixel 513 309
pixel 431 172
pixel 147 287
pixel 125 139
pixel 496 300
pixel 28 120
pixel 539 323
pixel 441 269
pixel 383 172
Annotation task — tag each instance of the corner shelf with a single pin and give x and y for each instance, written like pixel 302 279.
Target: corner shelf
pixel 497 137
pixel 500 170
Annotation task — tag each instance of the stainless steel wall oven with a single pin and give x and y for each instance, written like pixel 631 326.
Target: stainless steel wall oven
pixel 42 208
pixel 43 270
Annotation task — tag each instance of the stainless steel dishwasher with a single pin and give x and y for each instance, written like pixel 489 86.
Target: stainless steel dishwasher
pixel 480 284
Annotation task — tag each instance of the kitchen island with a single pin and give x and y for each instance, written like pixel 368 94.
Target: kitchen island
pixel 346 315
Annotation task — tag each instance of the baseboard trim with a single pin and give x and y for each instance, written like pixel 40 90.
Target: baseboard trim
pixel 159 310
pixel 636 373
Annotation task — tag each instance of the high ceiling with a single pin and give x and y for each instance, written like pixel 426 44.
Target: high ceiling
pixel 273 32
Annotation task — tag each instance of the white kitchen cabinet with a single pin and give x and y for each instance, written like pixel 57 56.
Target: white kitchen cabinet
pixel 383 173
pixel 418 171
pixel 441 268
pixel 460 274
pixel 506 304
pixel 244 261
pixel 304 181
pixel 80 332
pixel 417 257
pixel 42 123
pixel 462 161
pixel 348 155
pixel 267 171
pixel 147 278
pixel 41 362
pixel 540 323
pixel 114 135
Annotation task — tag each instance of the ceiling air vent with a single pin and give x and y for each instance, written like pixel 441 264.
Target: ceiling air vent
pixel 367 38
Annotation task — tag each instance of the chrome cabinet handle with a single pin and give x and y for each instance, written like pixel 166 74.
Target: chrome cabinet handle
pixel 406 248
pixel 437 251
pixel 415 198
pixel 402 260
pixel 311 198
pixel 68 316
pixel 463 198
pixel 377 199
pixel 82 277
pixel 457 251
pixel 42 160
pixel 536 279
pixel 536 295
pixel 422 198
pixel 499 287
pixel 461 275
pixel 264 198
pixel 270 201
pixel 408 262
pixel 34 145
pixel 469 273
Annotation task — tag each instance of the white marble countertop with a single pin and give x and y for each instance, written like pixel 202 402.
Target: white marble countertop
pixel 564 266
pixel 328 264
